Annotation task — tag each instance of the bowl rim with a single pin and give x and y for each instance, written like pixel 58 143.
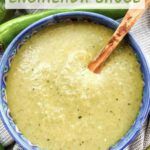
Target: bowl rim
pixel 134 129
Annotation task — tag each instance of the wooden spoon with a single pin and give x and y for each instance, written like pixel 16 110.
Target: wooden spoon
pixel 128 21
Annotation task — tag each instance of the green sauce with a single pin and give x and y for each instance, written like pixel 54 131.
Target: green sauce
pixel 57 103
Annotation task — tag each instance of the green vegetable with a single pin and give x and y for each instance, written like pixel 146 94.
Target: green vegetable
pixel 112 13
pixel 1 147
pixel 148 148
pixel 5 14
pixel 11 28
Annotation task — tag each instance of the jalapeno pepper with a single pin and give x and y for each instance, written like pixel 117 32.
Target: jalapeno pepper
pixel 5 14
pixel 1 147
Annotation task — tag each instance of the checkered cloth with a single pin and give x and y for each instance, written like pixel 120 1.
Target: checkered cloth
pixel 141 32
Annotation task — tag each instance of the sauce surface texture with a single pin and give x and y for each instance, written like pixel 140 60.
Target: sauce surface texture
pixel 58 104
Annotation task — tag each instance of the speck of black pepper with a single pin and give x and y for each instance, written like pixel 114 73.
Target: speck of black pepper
pixel 47 81
pixel 32 69
pixel 117 99
pixel 81 143
pixel 79 117
pixel 129 104
pixel 111 111
pixel 33 89
pixel 48 139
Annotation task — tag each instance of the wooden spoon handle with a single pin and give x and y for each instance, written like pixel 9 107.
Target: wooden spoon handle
pixel 128 21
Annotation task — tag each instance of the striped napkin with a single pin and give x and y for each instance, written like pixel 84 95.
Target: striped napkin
pixel 141 32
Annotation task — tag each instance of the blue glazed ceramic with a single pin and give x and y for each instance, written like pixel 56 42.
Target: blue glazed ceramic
pixel 72 16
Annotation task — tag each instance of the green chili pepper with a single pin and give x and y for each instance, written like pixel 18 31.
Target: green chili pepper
pixel 1 147
pixel 148 148
pixel 11 28
pixel 112 13
pixel 5 14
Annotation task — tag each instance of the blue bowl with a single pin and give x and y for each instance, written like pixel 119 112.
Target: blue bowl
pixel 72 16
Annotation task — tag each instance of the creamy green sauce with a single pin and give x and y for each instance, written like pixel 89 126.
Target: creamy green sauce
pixel 58 104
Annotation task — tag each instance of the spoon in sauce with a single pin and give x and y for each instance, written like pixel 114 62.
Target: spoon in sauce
pixel 128 21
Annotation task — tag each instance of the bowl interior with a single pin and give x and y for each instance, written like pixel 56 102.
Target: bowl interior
pixel 63 17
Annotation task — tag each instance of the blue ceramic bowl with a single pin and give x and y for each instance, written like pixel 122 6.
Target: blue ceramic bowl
pixel 72 16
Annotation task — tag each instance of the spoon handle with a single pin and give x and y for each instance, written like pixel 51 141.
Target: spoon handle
pixel 128 21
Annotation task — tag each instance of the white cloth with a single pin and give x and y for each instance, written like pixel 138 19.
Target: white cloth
pixel 141 32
